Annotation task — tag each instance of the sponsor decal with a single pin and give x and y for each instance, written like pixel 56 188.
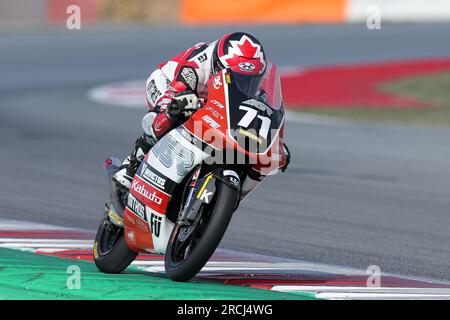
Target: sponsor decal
pixel 217 83
pixel 234 181
pixel 214 112
pixel 230 173
pixel 196 142
pixel 246 66
pixel 142 225
pixel 171 152
pixel 204 195
pixel 155 224
pixel 250 135
pixel 115 218
pixel 218 104
pixel 130 235
pixel 136 206
pixel 149 195
pixel 158 125
pixel 153 178
pixel 233 176
pixel 153 91
pixel 96 250
pixel 212 123
pixel 141 189
pixel 202 58
pixel 188 136
pixel 129 217
pixel 258 105
pixel 190 77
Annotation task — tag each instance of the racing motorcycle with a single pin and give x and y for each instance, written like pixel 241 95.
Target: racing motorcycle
pixel 192 180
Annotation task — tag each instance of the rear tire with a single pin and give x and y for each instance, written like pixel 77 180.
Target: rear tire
pixel 118 256
pixel 210 239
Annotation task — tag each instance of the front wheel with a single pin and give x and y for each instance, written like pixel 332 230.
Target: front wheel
pixel 111 252
pixel 190 247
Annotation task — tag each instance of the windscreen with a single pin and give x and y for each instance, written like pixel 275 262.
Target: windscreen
pixel 265 88
pixel 256 110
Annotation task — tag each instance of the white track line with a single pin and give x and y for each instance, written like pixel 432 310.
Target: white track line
pixel 269 266
pixel 46 241
pixel 244 265
pixel 39 246
pixel 50 250
pixel 8 225
pixel 154 267
pixel 368 293
pixel 103 95
pixel 380 296
pixel 337 289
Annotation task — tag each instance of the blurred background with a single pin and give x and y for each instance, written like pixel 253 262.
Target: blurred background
pixel 366 84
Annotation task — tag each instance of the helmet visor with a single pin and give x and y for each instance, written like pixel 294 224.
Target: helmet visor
pixel 248 83
pixel 265 87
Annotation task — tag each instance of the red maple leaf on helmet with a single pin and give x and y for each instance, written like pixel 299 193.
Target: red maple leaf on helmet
pixel 245 50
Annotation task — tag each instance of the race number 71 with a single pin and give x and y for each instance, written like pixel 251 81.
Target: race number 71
pixel 248 118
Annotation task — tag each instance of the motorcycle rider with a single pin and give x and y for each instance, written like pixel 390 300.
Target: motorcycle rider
pixel 185 76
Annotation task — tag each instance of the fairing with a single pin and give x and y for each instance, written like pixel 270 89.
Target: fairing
pixel 238 116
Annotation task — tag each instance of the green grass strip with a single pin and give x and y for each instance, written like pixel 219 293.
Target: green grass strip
pixel 428 88
pixel 29 276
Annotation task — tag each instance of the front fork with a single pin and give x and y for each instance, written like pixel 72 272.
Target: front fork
pixel 202 191
pixel 185 218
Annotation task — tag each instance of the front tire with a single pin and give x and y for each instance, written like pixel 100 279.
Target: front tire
pixel 205 246
pixel 111 252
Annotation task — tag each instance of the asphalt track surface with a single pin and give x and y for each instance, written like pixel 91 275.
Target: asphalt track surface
pixel 355 195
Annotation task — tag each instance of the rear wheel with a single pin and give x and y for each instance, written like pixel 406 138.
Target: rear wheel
pixel 111 252
pixel 190 247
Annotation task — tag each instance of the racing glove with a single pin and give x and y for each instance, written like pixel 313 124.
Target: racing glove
pixel 183 104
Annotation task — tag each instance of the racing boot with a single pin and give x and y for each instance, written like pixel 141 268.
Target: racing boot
pixel 129 166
